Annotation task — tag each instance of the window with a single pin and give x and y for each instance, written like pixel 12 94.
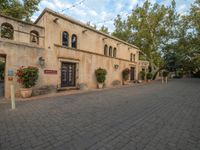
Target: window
pixel 115 52
pixel 65 39
pixel 106 50
pixel 74 41
pixel 34 37
pixel 110 51
pixel 131 57
pixel 7 31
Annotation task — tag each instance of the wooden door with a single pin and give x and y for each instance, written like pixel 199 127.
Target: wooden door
pixel 132 73
pixel 68 74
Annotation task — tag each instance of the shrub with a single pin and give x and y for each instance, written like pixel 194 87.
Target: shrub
pixel 100 75
pixel 180 74
pixel 196 74
pixel 142 75
pixel 165 73
pixel 27 76
pixel 149 76
pixel 125 74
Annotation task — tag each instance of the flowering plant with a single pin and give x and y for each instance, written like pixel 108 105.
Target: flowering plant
pixel 27 76
pixel 125 74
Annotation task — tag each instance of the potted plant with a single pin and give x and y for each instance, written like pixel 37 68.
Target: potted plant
pixel 142 75
pixel 27 77
pixel 125 75
pixel 101 77
pixel 149 76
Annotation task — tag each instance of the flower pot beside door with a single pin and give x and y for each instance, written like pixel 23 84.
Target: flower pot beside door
pixel 142 75
pixel 27 77
pixel 101 77
pixel 149 77
pixel 125 76
pixel 100 85
pixel 26 92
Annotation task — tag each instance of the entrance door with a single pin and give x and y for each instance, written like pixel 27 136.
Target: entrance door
pixel 132 73
pixel 68 74
pixel 2 74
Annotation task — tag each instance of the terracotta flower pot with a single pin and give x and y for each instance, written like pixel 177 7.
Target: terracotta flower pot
pixel 100 85
pixel 26 92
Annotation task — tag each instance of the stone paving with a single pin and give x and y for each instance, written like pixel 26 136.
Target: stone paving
pixel 149 117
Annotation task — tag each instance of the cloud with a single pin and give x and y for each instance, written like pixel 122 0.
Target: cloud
pixel 93 13
pixel 46 3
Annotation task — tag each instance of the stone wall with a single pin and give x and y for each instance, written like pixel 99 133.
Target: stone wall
pixel 18 55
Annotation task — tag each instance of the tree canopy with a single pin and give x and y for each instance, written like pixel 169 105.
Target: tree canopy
pixel 169 40
pixel 20 9
pixel 104 29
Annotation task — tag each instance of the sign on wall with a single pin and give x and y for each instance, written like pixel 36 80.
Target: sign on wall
pixel 10 72
pixel 50 71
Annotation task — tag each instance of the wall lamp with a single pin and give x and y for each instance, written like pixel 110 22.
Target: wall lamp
pixel 116 66
pixel 119 44
pixel 104 39
pixel 56 20
pixel 41 62
pixel 84 31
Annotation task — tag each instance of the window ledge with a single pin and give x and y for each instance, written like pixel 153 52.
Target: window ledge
pixel 33 45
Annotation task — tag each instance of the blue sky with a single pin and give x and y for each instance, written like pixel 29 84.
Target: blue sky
pixel 101 12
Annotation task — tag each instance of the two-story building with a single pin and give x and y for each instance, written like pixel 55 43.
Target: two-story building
pixel 67 52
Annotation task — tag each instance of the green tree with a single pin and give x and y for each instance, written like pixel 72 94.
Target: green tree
pixel 151 27
pixel 188 40
pixel 22 10
pixel 92 26
pixel 121 29
pixel 104 29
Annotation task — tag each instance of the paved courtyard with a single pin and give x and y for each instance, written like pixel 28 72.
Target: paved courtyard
pixel 150 117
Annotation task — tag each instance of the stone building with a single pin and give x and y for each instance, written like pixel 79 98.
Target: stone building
pixel 66 51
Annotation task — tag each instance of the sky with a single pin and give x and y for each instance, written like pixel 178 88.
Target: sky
pixel 102 12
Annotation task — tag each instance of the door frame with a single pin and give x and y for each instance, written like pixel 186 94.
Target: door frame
pixel 132 67
pixel 5 74
pixel 62 84
pixel 68 60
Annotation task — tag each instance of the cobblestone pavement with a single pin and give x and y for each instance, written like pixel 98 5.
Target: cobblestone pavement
pixel 150 117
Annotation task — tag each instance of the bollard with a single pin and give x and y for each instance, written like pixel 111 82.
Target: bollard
pixel 12 93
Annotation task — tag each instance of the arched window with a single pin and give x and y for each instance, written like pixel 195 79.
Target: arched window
pixel 131 57
pixel 110 51
pixel 74 41
pixel 65 39
pixel 106 50
pixel 115 52
pixel 7 31
pixel 34 37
